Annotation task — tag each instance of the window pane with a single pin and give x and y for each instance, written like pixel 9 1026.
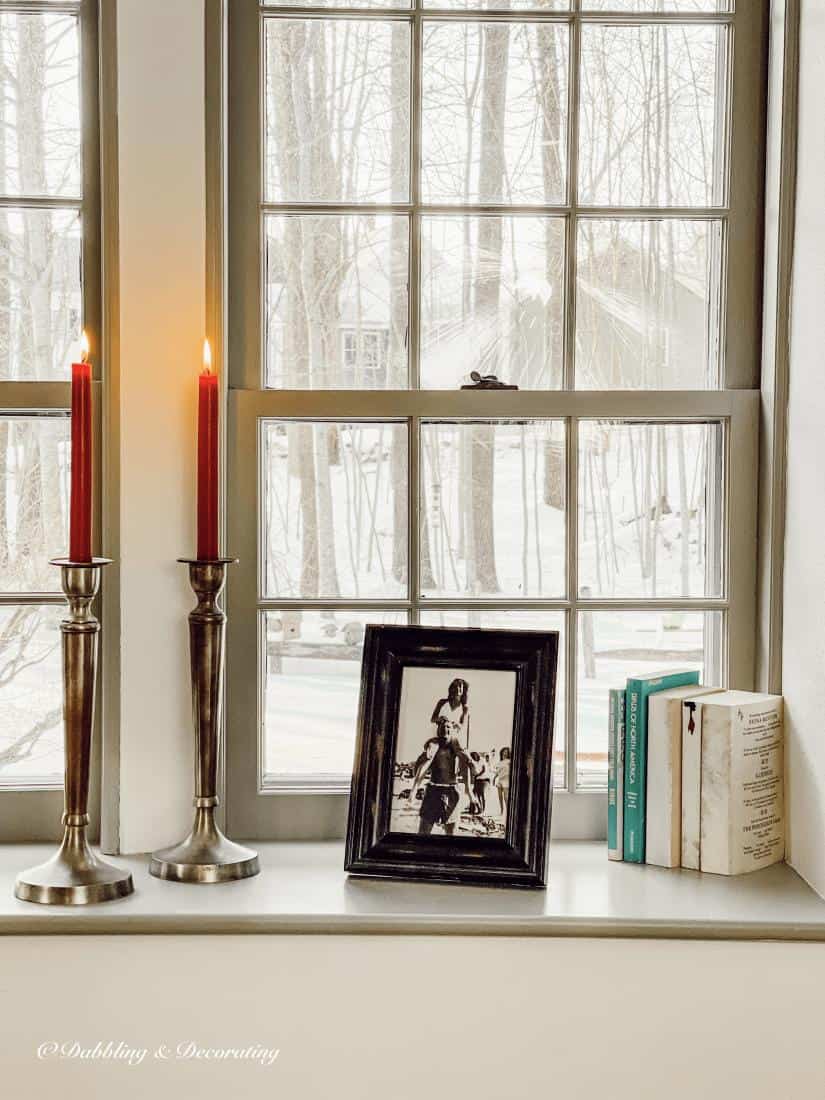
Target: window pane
pixel 39 104
pixel 31 699
pixel 492 300
pixel 658 5
pixel 616 644
pixel 34 471
pixel 650 510
pixel 680 6
pixel 494 112
pixel 518 620
pixel 312 663
pixel 337 110
pixel 500 5
pixel 335 510
pixel 40 294
pixel 336 301
pixel 653 111
pixel 336 4
pixel 492 517
pixel 648 310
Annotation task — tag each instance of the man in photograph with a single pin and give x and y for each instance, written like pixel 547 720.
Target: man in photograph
pixel 448 765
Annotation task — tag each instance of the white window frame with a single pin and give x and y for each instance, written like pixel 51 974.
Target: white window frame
pixel 31 811
pixel 317 810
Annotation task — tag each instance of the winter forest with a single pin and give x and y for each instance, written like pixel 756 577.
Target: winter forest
pixel 40 320
pixel 477 140
pixel 486 253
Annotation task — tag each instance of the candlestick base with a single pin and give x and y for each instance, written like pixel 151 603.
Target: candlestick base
pixel 205 856
pixel 74 875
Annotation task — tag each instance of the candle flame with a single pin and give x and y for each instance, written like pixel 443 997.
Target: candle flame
pixel 84 347
pixel 207 357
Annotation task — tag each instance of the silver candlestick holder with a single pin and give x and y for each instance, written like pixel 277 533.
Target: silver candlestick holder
pixel 206 855
pixel 75 875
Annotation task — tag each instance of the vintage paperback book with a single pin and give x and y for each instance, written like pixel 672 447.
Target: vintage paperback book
pixel 639 690
pixel 615 774
pixel 691 782
pixel 741 782
pixel 663 842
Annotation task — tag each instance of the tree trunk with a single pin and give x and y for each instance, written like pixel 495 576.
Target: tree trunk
pixel 42 511
pixel 398 349
pixel 491 183
pixel 291 97
pixel 552 137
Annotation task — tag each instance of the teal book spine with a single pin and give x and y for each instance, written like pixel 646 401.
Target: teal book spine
pixel 615 774
pixel 639 690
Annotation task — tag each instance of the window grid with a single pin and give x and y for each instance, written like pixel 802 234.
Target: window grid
pixel 572 605
pixel 572 210
pixel 32 801
pixel 729 651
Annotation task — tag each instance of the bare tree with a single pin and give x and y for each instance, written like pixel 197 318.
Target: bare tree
pixel 488 275
pixel 36 325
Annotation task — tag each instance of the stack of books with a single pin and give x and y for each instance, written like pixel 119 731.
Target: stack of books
pixel 695 775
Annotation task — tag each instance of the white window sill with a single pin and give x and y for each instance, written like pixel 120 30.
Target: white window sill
pixel 303 888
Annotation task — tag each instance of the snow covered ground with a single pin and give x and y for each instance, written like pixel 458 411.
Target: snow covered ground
pixel 28 696
pixel 312 680
pixel 311 702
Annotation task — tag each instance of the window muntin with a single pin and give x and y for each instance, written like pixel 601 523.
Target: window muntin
pixel 549 282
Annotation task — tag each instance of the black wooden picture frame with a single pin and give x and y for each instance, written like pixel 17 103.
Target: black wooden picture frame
pixel 520 858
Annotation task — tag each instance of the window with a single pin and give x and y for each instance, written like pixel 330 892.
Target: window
pixel 49 286
pixel 566 195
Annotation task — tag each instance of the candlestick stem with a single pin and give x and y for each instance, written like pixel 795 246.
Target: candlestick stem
pixel 75 875
pixel 206 855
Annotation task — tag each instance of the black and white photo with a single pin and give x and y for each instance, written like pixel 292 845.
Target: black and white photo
pixel 453 753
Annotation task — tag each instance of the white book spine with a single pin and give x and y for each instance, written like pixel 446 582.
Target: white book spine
pixel 664 782
pixel 691 783
pixel 743 820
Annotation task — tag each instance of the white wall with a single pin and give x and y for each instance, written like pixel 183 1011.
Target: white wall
pixel 803 675
pixel 162 317
pixel 412 1018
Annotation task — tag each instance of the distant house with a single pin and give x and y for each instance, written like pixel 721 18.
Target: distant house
pixel 637 324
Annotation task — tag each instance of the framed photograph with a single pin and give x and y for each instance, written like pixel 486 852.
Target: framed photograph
pixel 453 763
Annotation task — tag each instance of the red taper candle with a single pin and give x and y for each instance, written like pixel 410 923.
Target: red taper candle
pixel 207 459
pixel 80 512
